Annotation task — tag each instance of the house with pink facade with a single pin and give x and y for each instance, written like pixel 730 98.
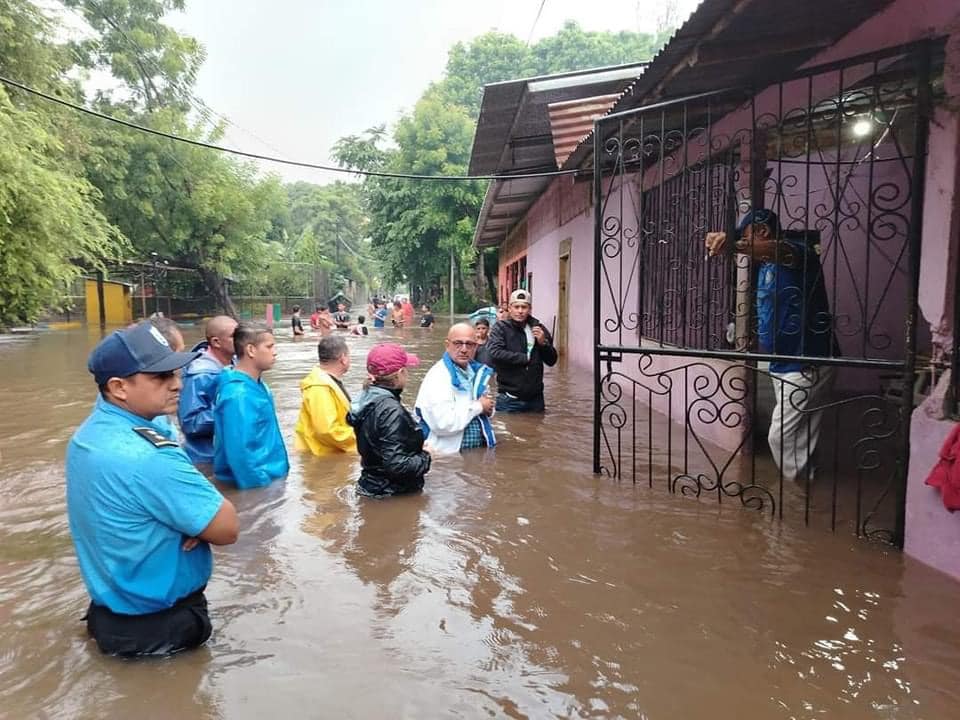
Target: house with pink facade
pixel 841 118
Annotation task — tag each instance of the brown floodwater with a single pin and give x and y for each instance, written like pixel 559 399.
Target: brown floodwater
pixel 517 585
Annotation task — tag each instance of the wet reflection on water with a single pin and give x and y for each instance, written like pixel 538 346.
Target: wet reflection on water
pixel 517 585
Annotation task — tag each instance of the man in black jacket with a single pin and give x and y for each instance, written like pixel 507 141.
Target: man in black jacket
pixel 519 347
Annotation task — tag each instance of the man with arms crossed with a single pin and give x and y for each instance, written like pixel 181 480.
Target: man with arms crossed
pixel 141 516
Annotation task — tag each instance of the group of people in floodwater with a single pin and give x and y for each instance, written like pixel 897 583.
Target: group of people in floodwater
pixel 142 509
pixel 324 320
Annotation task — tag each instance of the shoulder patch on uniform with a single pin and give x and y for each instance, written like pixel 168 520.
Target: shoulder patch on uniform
pixel 155 438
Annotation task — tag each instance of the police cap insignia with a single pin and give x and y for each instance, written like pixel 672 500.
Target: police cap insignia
pixel 155 438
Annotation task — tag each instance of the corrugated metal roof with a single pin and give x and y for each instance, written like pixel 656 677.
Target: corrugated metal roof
pixel 738 43
pixel 513 130
pixel 515 134
pixel 572 120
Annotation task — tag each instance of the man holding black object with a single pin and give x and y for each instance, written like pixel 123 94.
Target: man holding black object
pixel 519 346
pixel 794 320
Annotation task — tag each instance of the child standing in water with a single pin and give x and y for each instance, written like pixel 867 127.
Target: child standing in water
pixel 388 438
pixel 248 449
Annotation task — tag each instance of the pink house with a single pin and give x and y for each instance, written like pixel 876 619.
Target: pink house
pixel 849 130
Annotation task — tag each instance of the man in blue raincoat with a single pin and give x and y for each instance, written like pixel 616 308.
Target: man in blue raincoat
pixel 200 379
pixel 248 449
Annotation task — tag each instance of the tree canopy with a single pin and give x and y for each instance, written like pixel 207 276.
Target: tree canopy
pixel 416 225
pixel 78 194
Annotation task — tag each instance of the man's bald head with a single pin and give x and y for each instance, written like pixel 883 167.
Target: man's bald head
pixel 461 343
pixel 219 326
pixel 460 330
pixel 219 332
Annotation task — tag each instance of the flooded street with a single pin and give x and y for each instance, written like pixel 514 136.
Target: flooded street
pixel 517 585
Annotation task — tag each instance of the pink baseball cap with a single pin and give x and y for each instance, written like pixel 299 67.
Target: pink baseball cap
pixel 386 359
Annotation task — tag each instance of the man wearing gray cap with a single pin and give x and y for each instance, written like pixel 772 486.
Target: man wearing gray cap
pixel 519 346
pixel 141 516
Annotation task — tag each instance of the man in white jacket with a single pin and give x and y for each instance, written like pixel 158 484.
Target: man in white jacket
pixel 453 406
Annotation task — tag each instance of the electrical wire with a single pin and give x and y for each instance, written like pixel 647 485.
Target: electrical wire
pixel 269 158
pixel 197 103
pixel 535 21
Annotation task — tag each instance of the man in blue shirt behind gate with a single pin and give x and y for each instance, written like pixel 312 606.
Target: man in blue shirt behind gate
pixel 141 516
pixel 793 319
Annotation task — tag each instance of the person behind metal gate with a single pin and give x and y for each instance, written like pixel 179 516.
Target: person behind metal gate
pixel 390 441
pixel 519 347
pixel 322 424
pixel 248 449
pixel 793 320
pixel 200 379
pixel 453 406
pixel 141 516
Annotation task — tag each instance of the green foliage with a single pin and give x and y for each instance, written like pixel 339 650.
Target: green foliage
pixel 202 210
pixel 415 225
pixel 576 49
pixel 49 222
pixel 156 64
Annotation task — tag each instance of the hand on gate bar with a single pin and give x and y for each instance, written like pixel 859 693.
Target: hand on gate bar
pixel 715 242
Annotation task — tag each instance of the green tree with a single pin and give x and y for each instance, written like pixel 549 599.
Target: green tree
pixel 197 208
pixel 50 227
pixel 574 48
pixel 49 222
pixel 414 225
pixel 157 65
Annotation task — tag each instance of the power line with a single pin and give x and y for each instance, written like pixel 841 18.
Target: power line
pixel 198 104
pixel 535 21
pixel 270 158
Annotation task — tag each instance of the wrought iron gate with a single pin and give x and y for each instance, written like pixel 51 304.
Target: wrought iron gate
pixel 686 367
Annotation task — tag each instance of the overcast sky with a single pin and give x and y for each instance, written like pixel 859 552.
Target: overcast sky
pixel 295 75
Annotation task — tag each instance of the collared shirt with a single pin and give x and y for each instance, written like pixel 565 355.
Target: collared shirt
pixel 793 315
pixel 472 433
pixel 131 504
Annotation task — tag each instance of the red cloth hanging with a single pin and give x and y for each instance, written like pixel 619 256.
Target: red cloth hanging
pixel 945 475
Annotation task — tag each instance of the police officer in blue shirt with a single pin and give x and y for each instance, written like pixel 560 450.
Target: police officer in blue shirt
pixel 141 516
pixel 793 322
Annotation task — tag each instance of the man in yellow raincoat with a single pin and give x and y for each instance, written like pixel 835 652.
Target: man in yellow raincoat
pixel 322 426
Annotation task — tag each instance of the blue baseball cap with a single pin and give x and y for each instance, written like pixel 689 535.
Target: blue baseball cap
pixel 760 216
pixel 140 349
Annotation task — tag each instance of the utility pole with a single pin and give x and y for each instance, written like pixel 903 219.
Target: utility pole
pixel 451 286
pixel 156 282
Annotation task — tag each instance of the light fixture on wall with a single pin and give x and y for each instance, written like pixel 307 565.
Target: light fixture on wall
pixel 863 127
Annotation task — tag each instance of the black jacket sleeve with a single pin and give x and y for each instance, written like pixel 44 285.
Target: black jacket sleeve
pixel 497 348
pixel 399 462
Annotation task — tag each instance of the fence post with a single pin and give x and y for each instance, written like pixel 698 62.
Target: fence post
pixel 102 309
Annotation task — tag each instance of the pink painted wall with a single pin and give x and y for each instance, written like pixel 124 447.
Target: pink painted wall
pixel 933 533
pixel 557 216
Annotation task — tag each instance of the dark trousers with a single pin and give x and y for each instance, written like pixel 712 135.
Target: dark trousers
pixel 508 403
pixel 181 627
